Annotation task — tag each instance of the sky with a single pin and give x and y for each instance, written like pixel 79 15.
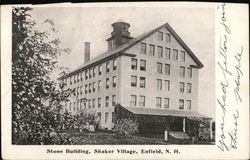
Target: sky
pixel 77 25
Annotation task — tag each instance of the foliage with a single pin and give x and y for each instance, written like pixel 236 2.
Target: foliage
pixel 193 126
pixel 36 101
pixel 126 127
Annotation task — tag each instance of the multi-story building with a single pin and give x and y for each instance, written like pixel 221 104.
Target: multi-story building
pixel 153 74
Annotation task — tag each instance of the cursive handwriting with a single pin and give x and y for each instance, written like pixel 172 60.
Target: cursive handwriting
pixel 233 133
pixel 239 74
pixel 223 18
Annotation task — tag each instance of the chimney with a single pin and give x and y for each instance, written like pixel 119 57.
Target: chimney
pixel 87 52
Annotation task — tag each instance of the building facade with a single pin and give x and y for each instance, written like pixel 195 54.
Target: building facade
pixel 153 74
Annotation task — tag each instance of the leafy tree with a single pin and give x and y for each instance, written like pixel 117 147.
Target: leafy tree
pixel 126 127
pixel 36 99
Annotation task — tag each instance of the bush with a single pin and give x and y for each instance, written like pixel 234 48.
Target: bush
pixel 125 128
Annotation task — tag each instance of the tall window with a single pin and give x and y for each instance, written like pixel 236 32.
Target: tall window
pixel 182 71
pixel 151 50
pixel 99 102
pixel 167 69
pixel 114 81
pixel 175 54
pixel 143 48
pixel 142 101
pixel 107 101
pixel 99 116
pixel 81 76
pixel 159 84
pixel 89 73
pixel 113 100
pixel 107 66
pixel 99 85
pixel 93 103
pixel 133 100
pixel 107 83
pixel 78 77
pixel 167 85
pixel 70 107
pixel 74 78
pixel 70 80
pixel 133 81
pixel 114 64
pixel 168 37
pixel 159 67
pixel 94 86
pixel 89 102
pixel 159 51
pixel 74 106
pixel 166 102
pixel 106 117
pixel 189 72
pixel 160 36
pixel 100 69
pixel 86 89
pixel 158 102
pixel 143 65
pixel 86 74
pixel 181 87
pixel 188 104
pixel 134 64
pixel 189 87
pixel 94 71
pixel 142 82
pixel 90 88
pixel 182 56
pixel 181 104
pixel 167 53
pixel 77 93
pixel 81 90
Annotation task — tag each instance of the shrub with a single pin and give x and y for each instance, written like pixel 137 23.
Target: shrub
pixel 125 128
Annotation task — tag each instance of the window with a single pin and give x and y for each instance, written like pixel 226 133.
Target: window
pixel 81 101
pixel 99 102
pixel 159 51
pixel 100 69
pixel 142 82
pixel 107 83
pixel 134 64
pixel 168 37
pixel 181 104
pixel 89 103
pixel 77 92
pixel 167 53
pixel 133 81
pixel 74 78
pixel 158 102
pixel 93 87
pixel 77 105
pixel 89 73
pixel 142 101
pixel 181 87
pixel 74 90
pixel 81 76
pixel 133 100
pixel 182 71
pixel 107 101
pixel 113 117
pixel 143 48
pixel 107 67
pixel 114 81
pixel 70 107
pixel 78 77
pixel 86 74
pixel 94 72
pixel 93 103
pixel 175 54
pixel 166 102
pixel 74 106
pixel 114 64
pixel 142 65
pixel 151 50
pixel 113 100
pixel 86 89
pixel 90 88
pixel 160 36
pixel 70 79
pixel 189 87
pixel 189 72
pixel 99 85
pixel 99 116
pixel 188 104
pixel 182 56
pixel 159 84
pixel 167 85
pixel 167 69
pixel 159 67
pixel 106 117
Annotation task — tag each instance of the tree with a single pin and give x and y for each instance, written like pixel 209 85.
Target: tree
pixel 36 99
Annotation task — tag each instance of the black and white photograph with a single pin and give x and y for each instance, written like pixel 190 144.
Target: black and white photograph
pixel 114 75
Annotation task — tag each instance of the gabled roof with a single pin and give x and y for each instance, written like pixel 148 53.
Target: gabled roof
pixel 120 50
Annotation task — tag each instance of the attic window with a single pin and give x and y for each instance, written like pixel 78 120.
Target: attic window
pixel 168 37
pixel 160 36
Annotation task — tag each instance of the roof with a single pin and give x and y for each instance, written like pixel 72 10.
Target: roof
pixel 134 41
pixel 164 112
